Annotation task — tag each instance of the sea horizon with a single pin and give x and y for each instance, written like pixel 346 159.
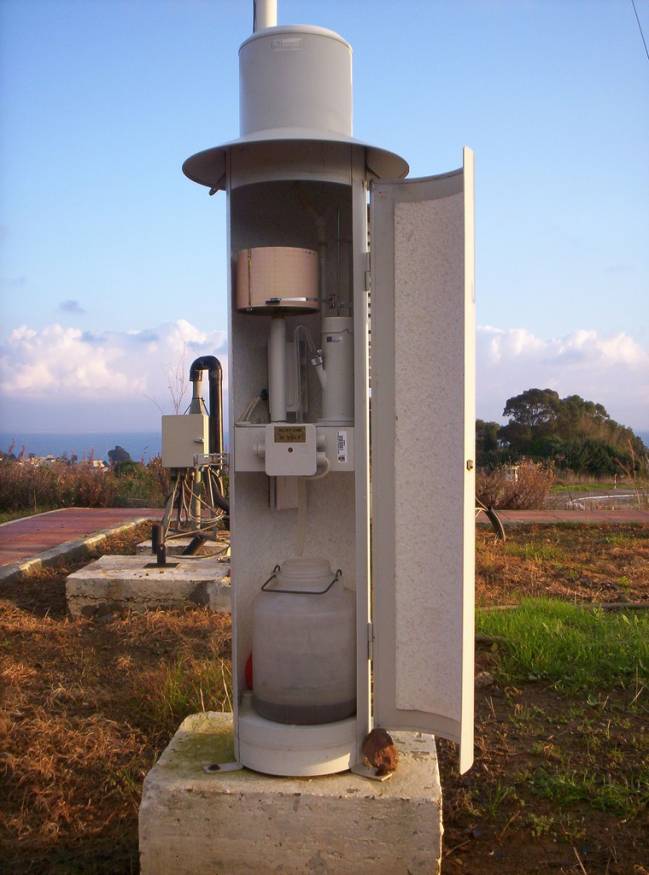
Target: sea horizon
pixel 141 445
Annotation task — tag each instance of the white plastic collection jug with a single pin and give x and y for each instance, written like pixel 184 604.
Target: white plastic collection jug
pixel 304 645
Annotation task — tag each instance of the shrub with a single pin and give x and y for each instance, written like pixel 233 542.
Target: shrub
pixel 499 489
pixel 28 487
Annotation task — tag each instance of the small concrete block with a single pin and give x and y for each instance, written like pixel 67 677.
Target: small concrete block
pixel 193 822
pixel 118 582
pixel 176 546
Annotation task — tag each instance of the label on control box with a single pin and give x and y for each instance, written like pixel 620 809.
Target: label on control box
pixel 290 434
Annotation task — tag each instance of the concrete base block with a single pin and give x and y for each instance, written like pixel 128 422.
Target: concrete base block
pixel 193 822
pixel 176 546
pixel 118 582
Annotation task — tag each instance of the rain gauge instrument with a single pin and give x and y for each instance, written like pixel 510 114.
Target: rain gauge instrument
pixel 351 396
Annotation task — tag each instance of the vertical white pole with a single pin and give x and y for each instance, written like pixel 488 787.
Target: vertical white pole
pixel 277 369
pixel 264 14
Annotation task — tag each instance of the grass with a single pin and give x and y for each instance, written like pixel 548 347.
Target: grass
pixel 87 710
pixel 536 552
pixel 587 486
pixel 6 516
pixel 571 647
pixel 562 488
pixel 626 798
pixel 187 685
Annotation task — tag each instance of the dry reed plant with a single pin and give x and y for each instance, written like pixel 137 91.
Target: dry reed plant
pixel 529 490
pixel 25 486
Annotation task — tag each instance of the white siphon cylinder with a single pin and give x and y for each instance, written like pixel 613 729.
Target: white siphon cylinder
pixel 338 354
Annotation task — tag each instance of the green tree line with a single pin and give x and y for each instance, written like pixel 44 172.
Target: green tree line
pixel 572 433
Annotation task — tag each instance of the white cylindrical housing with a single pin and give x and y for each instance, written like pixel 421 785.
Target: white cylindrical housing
pixel 277 369
pixel 294 78
pixel 304 646
pixel 264 14
pixel 338 353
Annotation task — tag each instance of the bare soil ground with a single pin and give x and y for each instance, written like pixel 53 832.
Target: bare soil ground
pixel 559 784
pixel 87 706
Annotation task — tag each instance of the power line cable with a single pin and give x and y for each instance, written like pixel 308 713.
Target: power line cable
pixel 644 41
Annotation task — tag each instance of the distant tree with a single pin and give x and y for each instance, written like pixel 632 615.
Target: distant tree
pixel 126 468
pixel 533 407
pixel 118 454
pixel 572 432
pixel 486 435
pixel 486 442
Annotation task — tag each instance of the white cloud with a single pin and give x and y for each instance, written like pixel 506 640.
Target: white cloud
pixel 62 378
pixel 78 370
pixel 611 370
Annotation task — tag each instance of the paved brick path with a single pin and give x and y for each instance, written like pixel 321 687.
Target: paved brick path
pixel 24 538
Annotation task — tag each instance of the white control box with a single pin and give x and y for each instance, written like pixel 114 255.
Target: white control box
pixel 290 450
pixel 182 438
pixel 337 442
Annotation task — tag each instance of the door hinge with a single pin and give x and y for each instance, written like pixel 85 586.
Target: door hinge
pixel 367 271
pixel 370 641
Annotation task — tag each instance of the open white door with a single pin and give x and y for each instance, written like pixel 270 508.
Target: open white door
pixel 423 452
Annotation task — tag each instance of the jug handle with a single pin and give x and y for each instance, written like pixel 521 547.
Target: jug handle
pixel 265 587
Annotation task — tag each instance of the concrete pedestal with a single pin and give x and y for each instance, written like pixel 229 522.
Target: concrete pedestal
pixel 176 546
pixel 195 822
pixel 118 582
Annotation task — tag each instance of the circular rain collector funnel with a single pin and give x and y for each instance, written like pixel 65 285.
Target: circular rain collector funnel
pixel 295 85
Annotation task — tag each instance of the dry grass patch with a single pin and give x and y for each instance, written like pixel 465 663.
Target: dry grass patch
pixel 85 709
pixel 608 563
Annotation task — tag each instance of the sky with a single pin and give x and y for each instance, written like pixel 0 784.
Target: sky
pixel 113 264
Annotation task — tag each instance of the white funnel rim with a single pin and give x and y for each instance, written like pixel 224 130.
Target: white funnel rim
pixel 208 167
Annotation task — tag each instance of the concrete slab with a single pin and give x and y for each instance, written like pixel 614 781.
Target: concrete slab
pixel 176 546
pixel 118 582
pixel 240 822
